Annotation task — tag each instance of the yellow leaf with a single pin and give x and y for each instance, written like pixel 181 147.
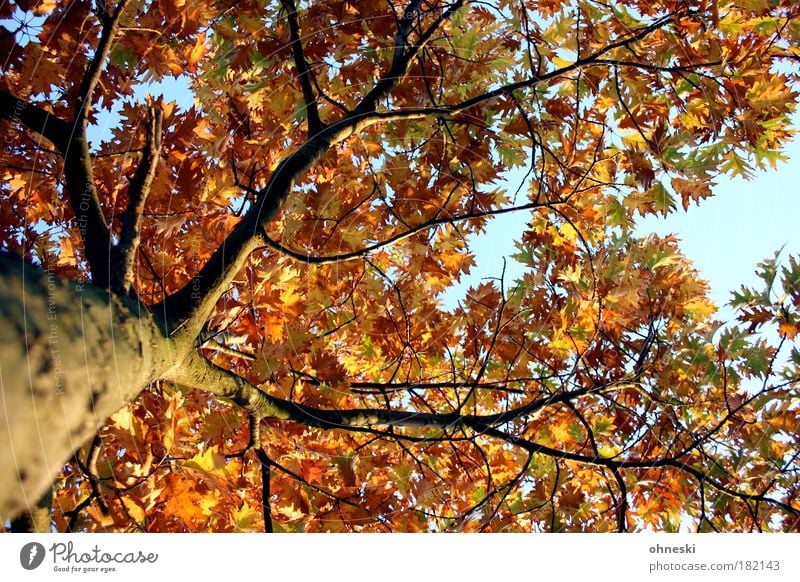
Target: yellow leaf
pixel 209 462
pixel 700 309
pixel 561 63
pixel 560 432
pixel 786 421
pixel 246 518
pixel 667 260
pixel 208 505
pixel 290 513
pixel 569 232
pixel 772 95
pixel 133 509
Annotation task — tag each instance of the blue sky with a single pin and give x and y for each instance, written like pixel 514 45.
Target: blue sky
pixel 744 223
pixel 726 235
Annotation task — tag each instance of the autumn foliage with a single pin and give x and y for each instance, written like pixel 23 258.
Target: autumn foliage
pixel 295 213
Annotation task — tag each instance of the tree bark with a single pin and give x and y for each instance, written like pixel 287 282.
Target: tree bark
pixel 70 356
pixel 38 518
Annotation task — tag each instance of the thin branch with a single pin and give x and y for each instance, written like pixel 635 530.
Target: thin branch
pixel 363 252
pixel 131 218
pixel 304 75
pixel 265 488
pixel 89 469
pixel 657 68
pixel 228 351
pixel 265 468
pixel 95 69
pixel 402 57
pixel 196 372
pixel 574 66
pixel 185 312
pixel 369 117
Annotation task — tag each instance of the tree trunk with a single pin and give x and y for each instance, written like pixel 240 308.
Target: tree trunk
pixel 70 356
pixel 38 518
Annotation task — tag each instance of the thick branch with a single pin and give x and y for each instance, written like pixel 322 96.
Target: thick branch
pixel 35 119
pixel 188 309
pixel 85 204
pixel 78 161
pixel 196 372
pixel 303 72
pixel 74 148
pixel 139 189
pixel 70 356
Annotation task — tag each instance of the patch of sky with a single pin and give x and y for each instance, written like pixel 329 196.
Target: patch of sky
pixel 745 222
pixel 725 236
pixel 170 88
pixel 23 25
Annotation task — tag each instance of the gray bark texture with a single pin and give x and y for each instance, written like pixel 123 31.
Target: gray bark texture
pixel 70 356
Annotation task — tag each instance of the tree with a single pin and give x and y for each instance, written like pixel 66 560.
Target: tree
pixel 229 316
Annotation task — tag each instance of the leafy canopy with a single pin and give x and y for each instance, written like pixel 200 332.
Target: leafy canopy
pixel 344 152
